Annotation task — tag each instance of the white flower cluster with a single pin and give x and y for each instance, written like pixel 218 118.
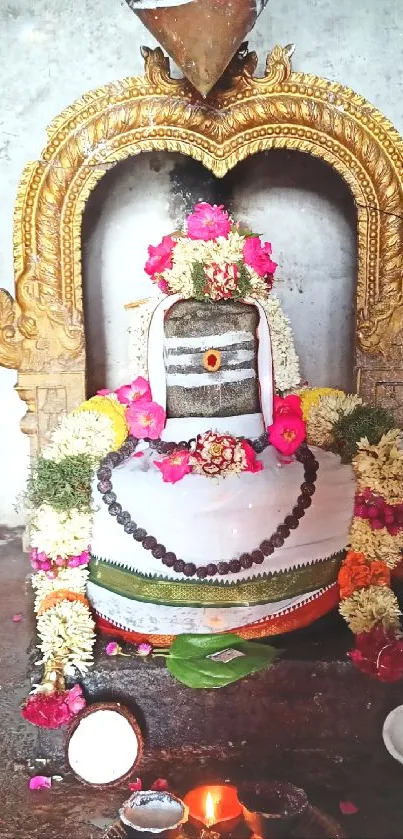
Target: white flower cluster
pixel 285 359
pixel 67 629
pixel 72 579
pixel 60 534
pixel 221 252
pixel 88 432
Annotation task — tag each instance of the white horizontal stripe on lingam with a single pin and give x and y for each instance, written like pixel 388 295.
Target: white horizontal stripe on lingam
pixel 203 379
pixel 192 358
pixel 207 342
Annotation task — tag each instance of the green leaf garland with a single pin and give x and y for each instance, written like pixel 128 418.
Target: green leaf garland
pixel 64 485
pixel 189 660
pixel 365 421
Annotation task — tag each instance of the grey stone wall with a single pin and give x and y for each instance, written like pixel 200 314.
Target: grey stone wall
pixel 51 53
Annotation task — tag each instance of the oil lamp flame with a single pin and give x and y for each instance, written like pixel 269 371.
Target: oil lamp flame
pixel 210 812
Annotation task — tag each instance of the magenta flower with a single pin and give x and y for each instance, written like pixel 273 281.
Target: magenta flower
pixel 40 782
pixel 75 561
pixel 104 392
pixel 136 785
pixel 39 560
pixel 257 256
pixel 160 785
pixel 163 286
pixel 144 649
pixel 75 700
pixel 288 405
pixel 138 389
pixel 287 433
pixel 160 257
pixel 252 463
pixel 145 419
pixel 113 648
pixel 175 466
pixel 208 222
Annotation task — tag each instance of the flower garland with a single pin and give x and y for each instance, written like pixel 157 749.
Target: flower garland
pixel 375 546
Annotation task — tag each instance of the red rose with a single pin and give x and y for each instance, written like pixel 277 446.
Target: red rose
pixel 53 710
pixel 379 654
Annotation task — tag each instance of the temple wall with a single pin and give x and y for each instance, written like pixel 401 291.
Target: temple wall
pixel 50 59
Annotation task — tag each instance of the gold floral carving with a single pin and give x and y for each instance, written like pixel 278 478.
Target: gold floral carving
pixel 42 332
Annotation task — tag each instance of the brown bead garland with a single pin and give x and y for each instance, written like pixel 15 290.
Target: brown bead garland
pixel 169 558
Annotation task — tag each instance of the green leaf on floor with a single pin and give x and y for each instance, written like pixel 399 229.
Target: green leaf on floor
pixel 214 661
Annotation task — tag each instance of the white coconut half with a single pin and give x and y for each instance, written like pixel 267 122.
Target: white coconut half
pixel 393 733
pixel 103 747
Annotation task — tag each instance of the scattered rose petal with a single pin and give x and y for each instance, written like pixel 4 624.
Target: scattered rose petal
pixel 160 785
pixel 16 618
pixel 348 808
pixel 40 782
pixel 136 786
pixel 138 454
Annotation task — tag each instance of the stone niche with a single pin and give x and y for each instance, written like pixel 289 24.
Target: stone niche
pixel 295 201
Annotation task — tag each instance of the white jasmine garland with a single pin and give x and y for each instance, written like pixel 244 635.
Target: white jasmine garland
pixel 88 432
pixel 66 632
pixel 72 579
pixel 60 534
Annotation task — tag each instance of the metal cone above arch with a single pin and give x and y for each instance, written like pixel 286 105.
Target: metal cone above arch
pixel 201 36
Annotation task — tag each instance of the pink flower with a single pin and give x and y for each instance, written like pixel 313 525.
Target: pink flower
pixel 39 560
pixel 145 419
pixel 221 282
pixel 138 389
pixel 288 405
pixel 113 648
pixel 16 618
pixel 75 700
pixel 252 463
pixel 348 808
pixel 257 256
pixel 160 785
pixel 287 433
pixel 144 649
pixel 175 466
pixel 40 782
pixel 82 559
pixel 379 653
pixel 53 710
pixel 208 222
pixel 136 786
pixel 104 392
pixel 163 286
pixel 160 257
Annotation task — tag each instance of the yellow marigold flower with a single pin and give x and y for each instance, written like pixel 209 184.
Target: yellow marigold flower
pixel 113 409
pixel 375 544
pixel 370 606
pixel 311 395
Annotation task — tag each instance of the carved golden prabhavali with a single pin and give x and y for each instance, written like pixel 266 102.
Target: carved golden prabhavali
pixel 42 331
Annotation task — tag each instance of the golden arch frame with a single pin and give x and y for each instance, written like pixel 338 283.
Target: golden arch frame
pixel 42 330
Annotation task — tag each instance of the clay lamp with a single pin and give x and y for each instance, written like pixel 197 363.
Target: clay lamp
pixel 272 809
pixel 154 814
pixel 104 745
pixel 214 810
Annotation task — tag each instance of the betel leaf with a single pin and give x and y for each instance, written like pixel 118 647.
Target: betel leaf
pixel 189 660
pixel 196 646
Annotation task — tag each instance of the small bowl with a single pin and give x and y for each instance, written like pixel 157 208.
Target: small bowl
pixel 271 809
pixel 153 812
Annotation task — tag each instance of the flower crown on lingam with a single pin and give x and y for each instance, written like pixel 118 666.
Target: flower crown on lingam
pixel 212 258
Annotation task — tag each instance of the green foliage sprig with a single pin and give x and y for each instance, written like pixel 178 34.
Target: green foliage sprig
pixel 64 485
pixel 363 421
pixel 244 283
pixel 199 280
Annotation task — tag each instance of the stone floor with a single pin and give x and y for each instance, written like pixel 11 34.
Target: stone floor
pixel 70 811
